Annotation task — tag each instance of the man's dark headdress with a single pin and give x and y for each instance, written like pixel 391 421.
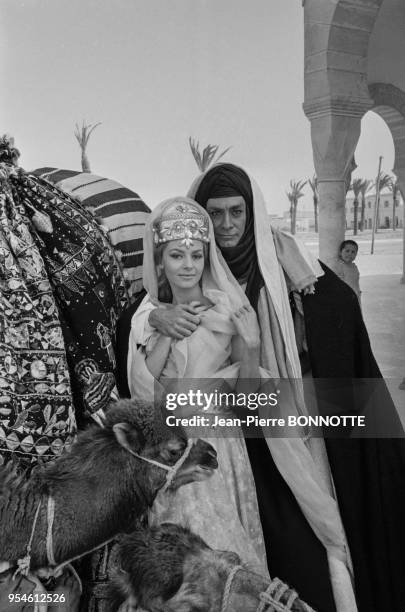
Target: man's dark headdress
pixel 223 181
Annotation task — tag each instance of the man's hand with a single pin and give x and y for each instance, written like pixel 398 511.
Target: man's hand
pixel 178 321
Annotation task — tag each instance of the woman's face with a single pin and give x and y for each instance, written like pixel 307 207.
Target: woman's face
pixel 183 266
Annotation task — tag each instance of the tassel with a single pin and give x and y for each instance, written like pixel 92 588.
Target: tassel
pixel 42 222
pixel 23 566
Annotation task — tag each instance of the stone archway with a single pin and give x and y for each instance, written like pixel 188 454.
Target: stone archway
pixel 389 104
pixel 337 36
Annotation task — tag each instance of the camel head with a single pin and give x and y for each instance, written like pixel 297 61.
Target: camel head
pixel 104 475
pixel 140 428
pixel 170 569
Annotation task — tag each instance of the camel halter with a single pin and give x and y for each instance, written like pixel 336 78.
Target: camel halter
pixel 23 565
pixel 170 469
pixel 269 599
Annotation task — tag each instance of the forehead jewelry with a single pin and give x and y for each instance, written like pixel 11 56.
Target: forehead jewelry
pixel 181 222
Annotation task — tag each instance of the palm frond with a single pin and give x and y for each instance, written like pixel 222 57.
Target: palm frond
pixel 296 188
pixel 83 134
pixel 384 182
pixel 90 129
pixel 195 149
pixel 224 152
pixel 208 155
pixel 356 186
pixel 393 185
pixel 365 186
pixel 313 183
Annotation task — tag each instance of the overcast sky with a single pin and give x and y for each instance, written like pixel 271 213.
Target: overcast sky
pixel 154 72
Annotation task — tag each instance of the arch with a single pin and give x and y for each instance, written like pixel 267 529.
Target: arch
pixel 389 104
pixel 337 36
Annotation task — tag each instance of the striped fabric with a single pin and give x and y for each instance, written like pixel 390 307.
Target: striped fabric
pixel 121 211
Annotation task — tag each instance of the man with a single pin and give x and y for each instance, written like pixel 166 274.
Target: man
pixel 366 473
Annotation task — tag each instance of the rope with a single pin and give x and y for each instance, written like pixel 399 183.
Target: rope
pixel 228 585
pixel 271 597
pixel 172 474
pixel 49 538
pixel 24 563
pixel 171 469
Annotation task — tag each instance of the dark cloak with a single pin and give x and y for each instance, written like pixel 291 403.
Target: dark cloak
pixel 368 473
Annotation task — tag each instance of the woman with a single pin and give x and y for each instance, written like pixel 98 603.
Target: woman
pixel 300 515
pixel 181 265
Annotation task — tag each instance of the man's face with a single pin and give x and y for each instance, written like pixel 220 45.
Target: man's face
pixel 228 217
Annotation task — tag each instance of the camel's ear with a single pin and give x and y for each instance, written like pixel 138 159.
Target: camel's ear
pixel 128 436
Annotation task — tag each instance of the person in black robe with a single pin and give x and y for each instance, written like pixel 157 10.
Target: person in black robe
pixel 367 472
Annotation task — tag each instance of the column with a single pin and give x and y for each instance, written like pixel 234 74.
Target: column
pixel 400 173
pixel 335 131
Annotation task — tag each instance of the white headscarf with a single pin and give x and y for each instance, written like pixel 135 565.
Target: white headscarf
pixel 216 275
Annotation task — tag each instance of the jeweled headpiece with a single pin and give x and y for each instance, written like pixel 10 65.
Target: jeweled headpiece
pixel 181 221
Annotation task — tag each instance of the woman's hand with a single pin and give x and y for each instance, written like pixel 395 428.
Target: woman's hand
pixel 246 324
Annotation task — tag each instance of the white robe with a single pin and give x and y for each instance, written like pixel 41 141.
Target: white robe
pixel 223 509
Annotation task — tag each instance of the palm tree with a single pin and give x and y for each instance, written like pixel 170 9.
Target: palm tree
pixel 356 188
pixel 365 185
pixel 206 158
pixel 381 184
pixel 348 177
pixel 394 188
pixel 294 195
pixel 314 186
pixel 82 136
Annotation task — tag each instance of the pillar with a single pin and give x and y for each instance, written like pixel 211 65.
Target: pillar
pixel 400 173
pixel 335 131
pixel 337 35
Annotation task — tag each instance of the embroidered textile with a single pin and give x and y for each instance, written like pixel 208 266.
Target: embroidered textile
pixel 121 210
pixel 61 293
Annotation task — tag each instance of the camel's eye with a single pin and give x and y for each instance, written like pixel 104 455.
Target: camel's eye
pixel 175 449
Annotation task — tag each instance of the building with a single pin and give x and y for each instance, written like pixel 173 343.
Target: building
pixel 305 221
pixel 385 211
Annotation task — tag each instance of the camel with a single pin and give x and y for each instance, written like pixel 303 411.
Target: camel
pixel 170 569
pixel 98 489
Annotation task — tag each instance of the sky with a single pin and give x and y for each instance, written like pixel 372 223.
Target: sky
pixel 154 72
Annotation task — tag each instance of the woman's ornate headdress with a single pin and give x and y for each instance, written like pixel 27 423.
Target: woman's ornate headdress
pixel 181 221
